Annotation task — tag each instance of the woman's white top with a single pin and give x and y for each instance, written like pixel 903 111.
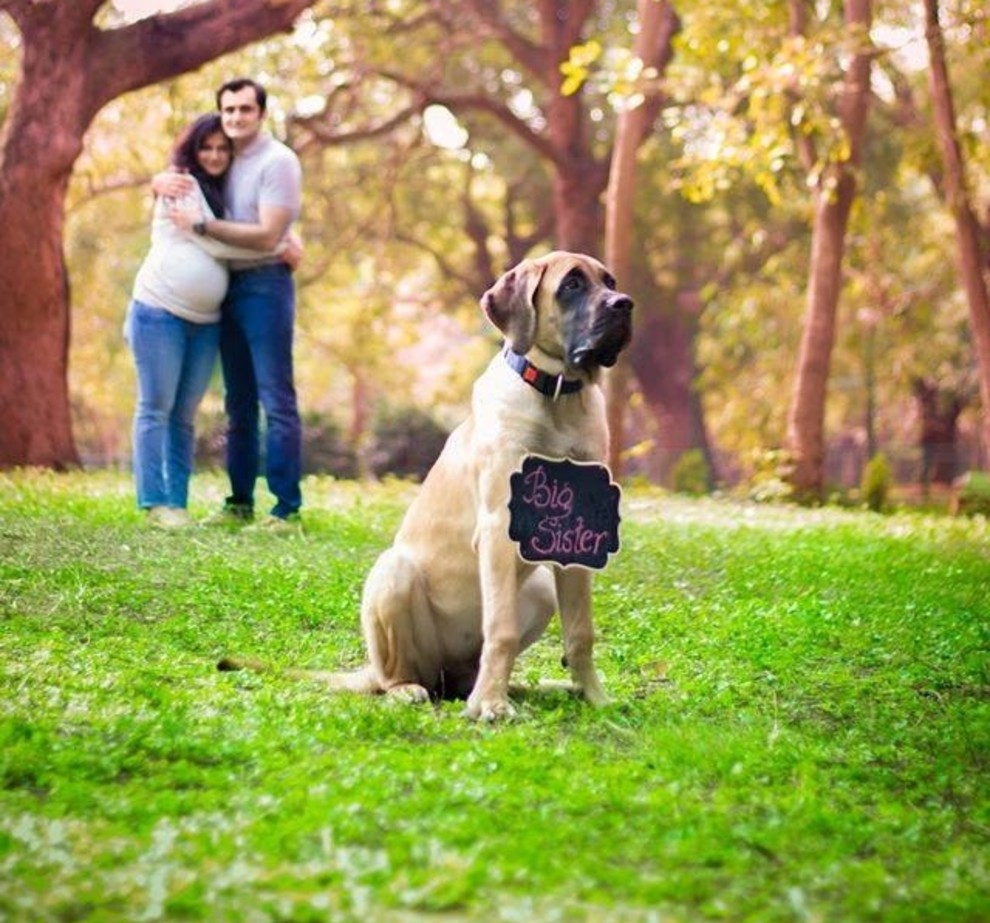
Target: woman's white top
pixel 185 273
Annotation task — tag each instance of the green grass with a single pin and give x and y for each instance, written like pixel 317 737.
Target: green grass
pixel 801 726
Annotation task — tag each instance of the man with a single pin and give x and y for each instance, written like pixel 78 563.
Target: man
pixel 262 198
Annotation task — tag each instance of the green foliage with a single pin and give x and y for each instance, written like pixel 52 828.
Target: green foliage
pixel 971 493
pixel 770 476
pixel 785 742
pixel 876 483
pixel 691 474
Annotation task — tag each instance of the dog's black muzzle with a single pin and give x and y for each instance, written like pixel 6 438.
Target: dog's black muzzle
pixel 610 333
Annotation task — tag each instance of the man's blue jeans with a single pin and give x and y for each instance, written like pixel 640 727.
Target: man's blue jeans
pixel 256 330
pixel 174 359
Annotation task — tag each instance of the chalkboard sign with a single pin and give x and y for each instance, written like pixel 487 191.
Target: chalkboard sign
pixel 564 512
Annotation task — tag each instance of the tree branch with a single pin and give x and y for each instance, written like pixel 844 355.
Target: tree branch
pixel 529 54
pixel 164 46
pixel 321 132
pixel 23 11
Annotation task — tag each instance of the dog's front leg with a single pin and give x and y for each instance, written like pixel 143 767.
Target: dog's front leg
pixel 489 700
pixel 574 599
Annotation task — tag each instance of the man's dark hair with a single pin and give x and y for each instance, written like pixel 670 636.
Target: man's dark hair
pixel 238 84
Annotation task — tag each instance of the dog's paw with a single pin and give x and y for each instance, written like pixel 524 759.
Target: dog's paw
pixel 409 692
pixel 590 686
pixel 489 710
pixel 596 696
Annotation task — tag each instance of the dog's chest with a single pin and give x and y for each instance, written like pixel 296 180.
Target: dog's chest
pixel 558 435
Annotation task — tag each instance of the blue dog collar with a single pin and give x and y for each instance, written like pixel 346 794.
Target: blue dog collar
pixel 550 385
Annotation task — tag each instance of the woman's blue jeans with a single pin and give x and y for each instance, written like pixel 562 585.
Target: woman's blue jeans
pixel 256 330
pixel 174 359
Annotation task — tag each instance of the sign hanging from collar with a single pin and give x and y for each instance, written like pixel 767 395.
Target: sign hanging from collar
pixel 564 512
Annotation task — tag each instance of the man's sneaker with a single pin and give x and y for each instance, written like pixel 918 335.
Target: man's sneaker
pixel 230 516
pixel 168 517
pixel 278 525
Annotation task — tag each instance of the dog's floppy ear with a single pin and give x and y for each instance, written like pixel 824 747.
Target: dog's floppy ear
pixel 510 304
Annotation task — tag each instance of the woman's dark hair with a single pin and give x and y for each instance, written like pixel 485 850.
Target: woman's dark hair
pixel 184 157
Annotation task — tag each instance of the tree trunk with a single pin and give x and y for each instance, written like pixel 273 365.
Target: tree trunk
pixel 939 433
pixel 578 177
pixel 806 419
pixel 657 25
pixel 665 341
pixel 970 255
pixel 834 197
pixel 35 426
pixel 69 71
pixel 42 136
pixel 577 191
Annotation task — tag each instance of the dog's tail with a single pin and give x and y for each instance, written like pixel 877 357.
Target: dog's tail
pixel 361 681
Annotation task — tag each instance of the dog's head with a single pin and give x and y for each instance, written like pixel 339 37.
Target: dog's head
pixel 566 305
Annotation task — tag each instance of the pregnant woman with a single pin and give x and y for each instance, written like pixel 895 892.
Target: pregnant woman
pixel 173 327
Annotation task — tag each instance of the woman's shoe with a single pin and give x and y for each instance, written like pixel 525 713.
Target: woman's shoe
pixel 168 517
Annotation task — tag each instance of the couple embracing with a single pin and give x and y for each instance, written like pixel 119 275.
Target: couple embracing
pixel 218 276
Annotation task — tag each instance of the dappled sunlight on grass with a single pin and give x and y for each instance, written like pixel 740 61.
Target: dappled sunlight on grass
pixel 799 726
pixel 653 505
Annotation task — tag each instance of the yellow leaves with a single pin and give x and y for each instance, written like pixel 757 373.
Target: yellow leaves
pixel 616 72
pixel 577 68
pixel 841 149
pixel 749 119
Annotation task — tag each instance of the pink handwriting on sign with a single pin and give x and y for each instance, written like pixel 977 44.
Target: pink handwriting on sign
pixel 555 535
pixel 547 494
pixel 564 512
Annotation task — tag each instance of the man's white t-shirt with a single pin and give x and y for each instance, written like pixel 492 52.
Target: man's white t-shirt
pixel 266 172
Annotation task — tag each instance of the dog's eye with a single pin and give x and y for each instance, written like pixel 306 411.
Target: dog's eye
pixel 572 283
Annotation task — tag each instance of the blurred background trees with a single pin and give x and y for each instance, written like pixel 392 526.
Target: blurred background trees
pixel 72 59
pixel 443 141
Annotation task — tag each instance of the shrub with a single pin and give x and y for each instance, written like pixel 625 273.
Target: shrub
pixel 770 481
pixel 406 443
pixel 971 494
pixel 876 482
pixel 324 449
pixel 691 473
